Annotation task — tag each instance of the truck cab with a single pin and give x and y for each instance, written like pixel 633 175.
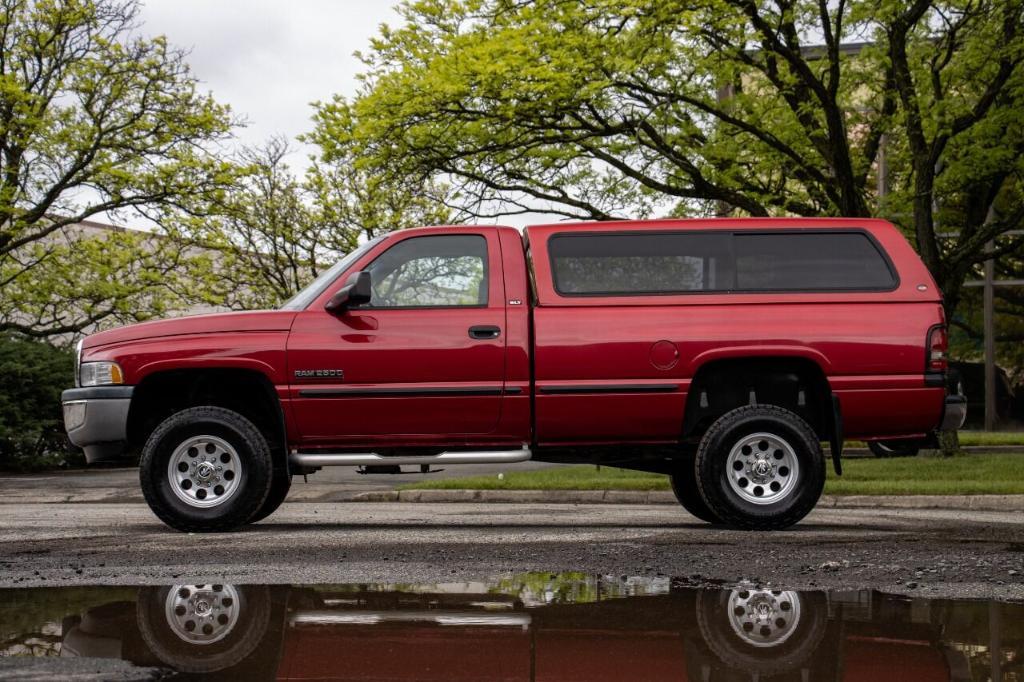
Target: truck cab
pixel 720 352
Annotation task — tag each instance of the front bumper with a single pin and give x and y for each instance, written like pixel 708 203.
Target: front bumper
pixel 96 420
pixel 954 414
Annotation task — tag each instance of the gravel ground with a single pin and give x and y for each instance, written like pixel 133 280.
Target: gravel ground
pixel 24 669
pixel 925 552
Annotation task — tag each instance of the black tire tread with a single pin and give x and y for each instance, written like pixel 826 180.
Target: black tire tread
pixel 279 488
pixel 259 468
pixel 729 515
pixel 684 487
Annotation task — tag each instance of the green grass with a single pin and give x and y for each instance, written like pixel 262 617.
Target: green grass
pixel 992 438
pixel 973 438
pixel 968 475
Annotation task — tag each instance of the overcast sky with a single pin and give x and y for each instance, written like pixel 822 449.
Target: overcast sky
pixel 270 59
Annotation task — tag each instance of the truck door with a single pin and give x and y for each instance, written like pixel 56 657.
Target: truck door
pixel 424 358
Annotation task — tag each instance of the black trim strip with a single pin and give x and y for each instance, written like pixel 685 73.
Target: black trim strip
pixel 392 392
pixel 610 388
pixel 97 393
pixel 513 390
pixel 934 379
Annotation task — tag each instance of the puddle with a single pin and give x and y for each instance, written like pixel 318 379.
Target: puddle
pixel 534 627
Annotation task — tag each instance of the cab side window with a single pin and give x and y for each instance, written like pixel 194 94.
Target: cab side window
pixel 438 271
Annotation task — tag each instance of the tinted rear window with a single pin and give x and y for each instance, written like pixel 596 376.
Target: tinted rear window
pixel 816 261
pixel 680 262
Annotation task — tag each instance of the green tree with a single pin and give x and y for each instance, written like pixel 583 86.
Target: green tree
pixel 31 428
pixel 275 231
pixel 967 337
pixel 266 233
pixel 95 120
pixel 352 192
pixel 612 108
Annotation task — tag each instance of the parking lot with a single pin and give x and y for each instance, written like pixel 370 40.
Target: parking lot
pixel 933 552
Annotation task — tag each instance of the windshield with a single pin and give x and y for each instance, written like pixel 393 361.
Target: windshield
pixel 302 299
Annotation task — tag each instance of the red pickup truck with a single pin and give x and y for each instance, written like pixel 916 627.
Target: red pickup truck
pixel 721 352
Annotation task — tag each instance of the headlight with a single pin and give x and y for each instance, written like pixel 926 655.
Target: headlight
pixel 100 373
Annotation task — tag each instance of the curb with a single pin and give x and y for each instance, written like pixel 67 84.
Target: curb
pixel 965 502
pixel 1001 503
pixel 858 452
pixel 318 493
pixel 327 495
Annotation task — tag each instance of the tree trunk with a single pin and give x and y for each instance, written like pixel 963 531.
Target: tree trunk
pixel 949 446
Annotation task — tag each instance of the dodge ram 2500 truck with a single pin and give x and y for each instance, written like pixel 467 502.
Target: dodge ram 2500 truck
pixel 721 352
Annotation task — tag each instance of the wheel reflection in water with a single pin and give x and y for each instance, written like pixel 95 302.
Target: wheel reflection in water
pixel 764 618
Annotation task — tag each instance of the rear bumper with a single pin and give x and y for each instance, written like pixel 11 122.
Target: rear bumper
pixel 96 420
pixel 954 414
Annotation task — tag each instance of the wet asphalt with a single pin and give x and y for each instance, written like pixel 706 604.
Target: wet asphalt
pixel 921 552
pixel 338 483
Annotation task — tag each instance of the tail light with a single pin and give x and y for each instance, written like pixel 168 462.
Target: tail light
pixel 937 344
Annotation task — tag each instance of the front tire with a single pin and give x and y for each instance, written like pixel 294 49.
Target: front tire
pixel 279 488
pixel 760 467
pixel 205 469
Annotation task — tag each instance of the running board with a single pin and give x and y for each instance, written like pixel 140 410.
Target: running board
pixel 437 617
pixel 363 459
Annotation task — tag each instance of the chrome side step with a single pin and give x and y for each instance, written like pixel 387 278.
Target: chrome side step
pixel 437 617
pixel 362 459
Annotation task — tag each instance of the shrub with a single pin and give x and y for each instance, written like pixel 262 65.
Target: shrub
pixel 32 376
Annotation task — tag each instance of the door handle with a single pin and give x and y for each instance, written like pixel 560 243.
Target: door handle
pixel 484 331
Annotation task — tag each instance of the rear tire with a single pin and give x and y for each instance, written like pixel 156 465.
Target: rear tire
pixel 205 469
pixel 760 467
pixel 684 487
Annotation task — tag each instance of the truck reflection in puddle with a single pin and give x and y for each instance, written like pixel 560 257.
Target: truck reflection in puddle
pixel 535 628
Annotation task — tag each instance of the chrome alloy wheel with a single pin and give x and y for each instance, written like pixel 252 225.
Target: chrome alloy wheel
pixel 764 618
pixel 762 468
pixel 204 471
pixel 202 614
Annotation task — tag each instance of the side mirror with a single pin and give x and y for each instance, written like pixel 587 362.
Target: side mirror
pixel 356 291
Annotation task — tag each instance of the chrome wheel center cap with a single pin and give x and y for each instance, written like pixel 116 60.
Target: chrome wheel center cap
pixel 203 607
pixel 205 470
pixel 762 467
